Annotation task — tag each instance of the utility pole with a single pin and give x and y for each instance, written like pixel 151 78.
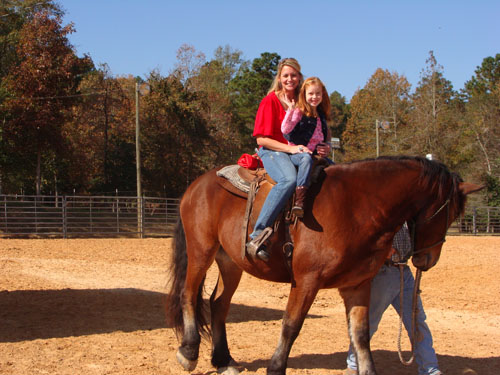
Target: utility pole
pixel 138 161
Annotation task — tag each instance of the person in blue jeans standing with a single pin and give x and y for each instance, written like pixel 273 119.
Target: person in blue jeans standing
pixel 385 291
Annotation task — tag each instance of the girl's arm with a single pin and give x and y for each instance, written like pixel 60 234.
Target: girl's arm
pixel 325 149
pixel 291 119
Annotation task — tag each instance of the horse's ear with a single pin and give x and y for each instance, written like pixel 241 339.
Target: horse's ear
pixel 468 188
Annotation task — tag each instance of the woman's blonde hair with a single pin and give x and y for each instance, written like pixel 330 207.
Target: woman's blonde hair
pixel 276 85
pixel 305 107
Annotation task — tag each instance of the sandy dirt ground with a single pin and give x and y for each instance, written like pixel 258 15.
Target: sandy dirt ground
pixel 96 307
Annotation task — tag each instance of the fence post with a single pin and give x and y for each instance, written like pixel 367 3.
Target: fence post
pixel 488 220
pixel 117 215
pixel 90 217
pixel 65 217
pixel 167 213
pixel 474 228
pixel 143 216
pixel 5 211
pixel 36 214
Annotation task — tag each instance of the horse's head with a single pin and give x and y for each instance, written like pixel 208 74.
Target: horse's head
pixel 432 222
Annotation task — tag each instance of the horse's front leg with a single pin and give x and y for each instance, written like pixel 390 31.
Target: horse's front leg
pixel 229 279
pixel 300 300
pixel 356 300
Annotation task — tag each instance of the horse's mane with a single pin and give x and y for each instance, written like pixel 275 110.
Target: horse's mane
pixel 433 175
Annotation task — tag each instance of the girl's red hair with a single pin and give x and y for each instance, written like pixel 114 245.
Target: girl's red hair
pixel 305 107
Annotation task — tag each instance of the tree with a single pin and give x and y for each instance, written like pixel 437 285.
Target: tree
pixel 339 115
pixel 385 97
pixel 42 86
pixel 14 14
pixel 251 84
pixel 481 122
pixel 173 136
pixel 435 117
pixel 189 63
pixel 213 97
pixel 100 126
pixel 482 93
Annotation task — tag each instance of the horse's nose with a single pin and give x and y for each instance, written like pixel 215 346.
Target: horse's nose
pixel 423 261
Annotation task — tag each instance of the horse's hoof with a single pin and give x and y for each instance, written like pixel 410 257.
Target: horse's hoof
pixel 230 369
pixel 186 363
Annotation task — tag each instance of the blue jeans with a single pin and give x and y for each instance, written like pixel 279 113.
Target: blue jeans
pixel 303 161
pixel 281 168
pixel 385 291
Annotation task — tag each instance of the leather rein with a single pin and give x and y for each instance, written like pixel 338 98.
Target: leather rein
pixel 418 278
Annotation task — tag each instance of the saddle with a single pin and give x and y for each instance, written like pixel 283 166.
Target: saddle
pixel 238 180
pixel 254 185
pixel 246 183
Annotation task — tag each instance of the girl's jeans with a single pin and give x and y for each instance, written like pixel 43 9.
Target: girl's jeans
pixel 281 168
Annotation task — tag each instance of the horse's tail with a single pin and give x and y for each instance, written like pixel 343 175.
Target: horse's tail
pixel 178 268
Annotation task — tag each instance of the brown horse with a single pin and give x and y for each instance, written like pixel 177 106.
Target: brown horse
pixel 342 241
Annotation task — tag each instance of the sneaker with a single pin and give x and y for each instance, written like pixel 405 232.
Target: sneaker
pixel 350 371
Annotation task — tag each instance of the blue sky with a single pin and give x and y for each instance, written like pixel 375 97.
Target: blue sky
pixel 342 42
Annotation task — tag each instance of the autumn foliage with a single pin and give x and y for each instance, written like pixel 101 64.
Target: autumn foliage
pixel 69 126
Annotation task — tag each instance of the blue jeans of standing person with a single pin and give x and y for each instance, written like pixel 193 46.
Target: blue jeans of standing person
pixel 385 291
pixel 281 168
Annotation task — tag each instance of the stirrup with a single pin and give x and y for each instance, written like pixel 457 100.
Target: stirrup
pixel 253 246
pixel 298 211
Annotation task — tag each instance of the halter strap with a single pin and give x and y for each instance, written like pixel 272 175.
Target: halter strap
pixel 443 240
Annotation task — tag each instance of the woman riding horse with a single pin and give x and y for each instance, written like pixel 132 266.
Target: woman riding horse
pixel 275 152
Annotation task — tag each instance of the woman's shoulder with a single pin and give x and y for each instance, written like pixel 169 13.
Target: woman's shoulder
pixel 272 97
pixel 271 102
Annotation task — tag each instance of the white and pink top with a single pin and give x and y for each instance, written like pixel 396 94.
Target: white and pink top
pixel 292 118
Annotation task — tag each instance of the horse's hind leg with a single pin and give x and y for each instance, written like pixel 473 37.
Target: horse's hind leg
pixel 356 302
pixel 193 306
pixel 229 279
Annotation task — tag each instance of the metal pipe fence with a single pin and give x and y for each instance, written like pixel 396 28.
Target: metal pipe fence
pixel 118 216
pixel 87 216
pixel 482 220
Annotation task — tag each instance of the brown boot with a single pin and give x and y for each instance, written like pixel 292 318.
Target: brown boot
pixel 300 196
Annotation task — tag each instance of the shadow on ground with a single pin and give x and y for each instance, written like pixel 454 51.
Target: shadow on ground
pixel 42 314
pixel 386 362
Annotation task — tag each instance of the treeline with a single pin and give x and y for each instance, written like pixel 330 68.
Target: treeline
pixel 67 125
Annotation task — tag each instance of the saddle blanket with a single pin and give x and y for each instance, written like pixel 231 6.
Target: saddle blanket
pixel 230 173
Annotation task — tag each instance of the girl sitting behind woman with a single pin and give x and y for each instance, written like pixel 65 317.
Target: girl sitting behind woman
pixel 305 125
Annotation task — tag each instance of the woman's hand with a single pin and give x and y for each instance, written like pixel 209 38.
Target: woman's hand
pixel 299 149
pixel 323 149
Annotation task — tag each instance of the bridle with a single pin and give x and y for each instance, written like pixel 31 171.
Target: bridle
pixel 446 205
pixel 418 277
